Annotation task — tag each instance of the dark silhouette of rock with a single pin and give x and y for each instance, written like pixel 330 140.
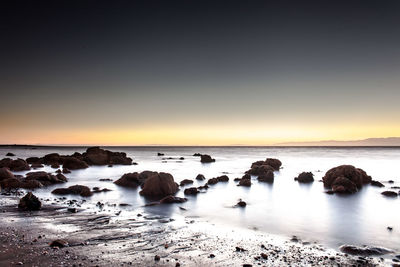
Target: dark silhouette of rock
pixel 99 156
pixel 206 159
pixel 364 251
pixel 46 178
pixel 223 178
pixel 172 199
pixel 242 204
pixel 212 181
pixel 5 174
pixel 274 163
pixel 59 243
pixel 345 179
pixel 5 163
pixel 52 158
pixel 29 202
pixel 305 177
pixel 36 165
pixel 377 184
pixel 9 154
pixel 245 182
pixel 186 182
pixel 73 163
pixel 200 177
pixel 134 179
pixel 19 165
pixel 11 183
pixel 191 191
pixel 260 169
pixel 55 166
pixel 196 155
pixel 159 185
pixel 160 154
pixel 389 193
pixel 66 170
pixel 81 190
pixel 34 160
pixel 267 177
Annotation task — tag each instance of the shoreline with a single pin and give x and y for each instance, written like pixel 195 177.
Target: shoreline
pixel 108 239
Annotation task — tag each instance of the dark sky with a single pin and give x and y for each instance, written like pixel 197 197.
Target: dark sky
pixel 251 72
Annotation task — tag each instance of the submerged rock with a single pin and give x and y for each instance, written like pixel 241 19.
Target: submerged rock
pixel 81 190
pixel 305 177
pixel 186 182
pixel 29 202
pixel 191 191
pixel 377 184
pixel 206 159
pixel 172 199
pixel 159 185
pixel 389 193
pixel 345 179
pixel 364 251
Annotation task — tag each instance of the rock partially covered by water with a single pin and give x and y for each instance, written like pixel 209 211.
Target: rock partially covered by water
pixel 186 182
pixel 191 191
pixel 206 158
pixel 29 202
pixel 15 165
pixel 159 185
pixel 200 177
pixel 172 199
pixel 134 179
pixel 218 179
pixel 267 177
pixel 345 179
pixel 244 182
pixel 264 167
pixel 377 184
pixel 81 190
pixel 5 174
pixel 364 251
pixel 305 177
pixel 9 154
pixel 389 193
pixel 46 178
pixel 99 156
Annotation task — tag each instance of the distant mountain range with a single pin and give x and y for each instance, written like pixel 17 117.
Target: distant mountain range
pixel 389 141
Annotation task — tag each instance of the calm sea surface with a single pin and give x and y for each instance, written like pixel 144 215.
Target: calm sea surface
pixel 284 208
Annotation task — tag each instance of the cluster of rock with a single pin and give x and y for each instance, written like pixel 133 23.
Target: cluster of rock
pixel 92 156
pixel 32 180
pixel 15 165
pixel 263 169
pixel 345 179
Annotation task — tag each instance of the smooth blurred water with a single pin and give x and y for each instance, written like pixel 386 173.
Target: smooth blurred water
pixel 284 208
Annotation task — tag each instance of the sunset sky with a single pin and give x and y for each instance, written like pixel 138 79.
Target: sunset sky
pixel 198 73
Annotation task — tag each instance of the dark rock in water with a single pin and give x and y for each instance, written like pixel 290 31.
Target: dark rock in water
pixel 389 193
pixel 274 163
pixel 160 154
pixel 55 166
pixel 105 180
pixel 73 163
pixel 305 177
pixel 345 179
pixel 223 178
pixel 246 176
pixel 185 182
pixel 157 258
pixel 66 170
pixel 34 160
pixel 245 182
pixel 181 158
pixel 99 156
pixel 196 155
pixel 389 228
pixel 9 154
pixel 19 165
pixel 29 202
pixel 159 185
pixel 259 169
pixel 134 179
pixel 364 251
pixel 72 210
pixel 172 199
pixel 191 191
pixel 237 179
pixel 267 177
pixel 5 174
pixel 46 178
pixel 36 165
pixel 206 159
pixel 212 181
pixel 81 190
pixel 205 187
pixel 58 171
pixel 11 183
pixel 242 204
pixel 200 177
pixel 391 182
pixel 376 183
pixel 59 243
pixel 329 192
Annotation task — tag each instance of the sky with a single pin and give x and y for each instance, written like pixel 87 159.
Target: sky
pixel 198 72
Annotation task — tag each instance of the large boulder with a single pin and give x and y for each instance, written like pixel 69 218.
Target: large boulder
pixel 29 202
pixel 99 156
pixel 81 190
pixel 345 179
pixel 134 179
pixel 19 165
pixel 5 173
pixel 267 177
pixel 305 177
pixel 206 159
pixel 159 185
pixel 73 163
pixel 52 158
pixel 274 163
pixel 245 182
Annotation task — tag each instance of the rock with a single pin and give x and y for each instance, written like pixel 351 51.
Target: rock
pixel 29 202
pixel 99 156
pixel 55 166
pixel 172 199
pixel 5 174
pixel 34 160
pixel 389 193
pixel 157 258
pixel 72 210
pixel 73 163
pixel 200 177
pixel 267 177
pixel 5 163
pixel 364 251
pixel 212 181
pixel 345 179
pixel 260 169
pixel 160 154
pixel 185 182
pixel 274 163
pixel 206 159
pixel 242 204
pixel 377 184
pixel 36 165
pixel 133 179
pixel 31 184
pixel 105 180
pixel 46 178
pixel 191 191
pixel 223 178
pixel 11 183
pixel 159 185
pixel 66 170
pixel 264 256
pixel 19 165
pixel 9 154
pixel 305 177
pixel 245 182
pixel 81 190
pixel 59 243
pixel 196 155
pixel 52 158
pixel 181 158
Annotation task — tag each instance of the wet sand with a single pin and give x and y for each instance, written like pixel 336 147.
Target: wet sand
pixel 105 237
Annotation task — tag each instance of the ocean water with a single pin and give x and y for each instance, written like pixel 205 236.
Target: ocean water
pixel 284 208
